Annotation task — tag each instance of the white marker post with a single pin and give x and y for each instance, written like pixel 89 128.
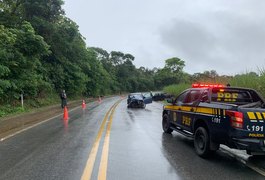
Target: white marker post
pixel 22 100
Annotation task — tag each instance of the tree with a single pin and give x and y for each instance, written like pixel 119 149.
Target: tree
pixel 175 65
pixel 48 10
pixel 206 77
pixel 21 50
pixel 100 53
pixel 172 73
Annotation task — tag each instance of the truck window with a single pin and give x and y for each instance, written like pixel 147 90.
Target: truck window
pixel 192 96
pixel 181 97
pixel 234 96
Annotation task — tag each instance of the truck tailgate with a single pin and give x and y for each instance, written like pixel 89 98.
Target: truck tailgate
pixel 253 121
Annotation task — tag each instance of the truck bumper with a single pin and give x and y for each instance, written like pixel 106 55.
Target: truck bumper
pixel 250 144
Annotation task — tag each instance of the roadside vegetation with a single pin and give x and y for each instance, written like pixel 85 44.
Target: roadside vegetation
pixel 42 52
pixel 176 89
pixel 249 80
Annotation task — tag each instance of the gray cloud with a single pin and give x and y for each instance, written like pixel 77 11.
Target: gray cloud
pixel 188 38
pixel 227 36
pixel 228 43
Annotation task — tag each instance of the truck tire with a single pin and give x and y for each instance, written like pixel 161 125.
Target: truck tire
pixel 166 124
pixel 202 142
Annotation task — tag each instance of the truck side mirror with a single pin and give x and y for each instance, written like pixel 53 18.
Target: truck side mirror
pixel 171 101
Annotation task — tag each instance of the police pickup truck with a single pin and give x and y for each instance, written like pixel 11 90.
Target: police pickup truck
pixel 214 115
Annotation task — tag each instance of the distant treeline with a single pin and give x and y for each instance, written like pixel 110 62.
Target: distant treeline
pixel 43 52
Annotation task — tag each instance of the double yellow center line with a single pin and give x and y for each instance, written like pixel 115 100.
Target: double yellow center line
pixel 102 173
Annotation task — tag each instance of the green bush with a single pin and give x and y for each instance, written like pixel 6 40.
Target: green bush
pixel 248 80
pixel 176 89
pixel 29 104
pixel 251 80
pixel 8 109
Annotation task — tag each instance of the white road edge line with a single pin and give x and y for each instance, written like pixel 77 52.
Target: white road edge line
pixel 255 168
pixel 25 129
pixel 241 160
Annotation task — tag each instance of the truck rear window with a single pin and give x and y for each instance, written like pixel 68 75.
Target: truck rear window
pixel 234 96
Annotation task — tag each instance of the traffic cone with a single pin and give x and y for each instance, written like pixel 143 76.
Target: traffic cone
pixel 83 105
pixel 65 113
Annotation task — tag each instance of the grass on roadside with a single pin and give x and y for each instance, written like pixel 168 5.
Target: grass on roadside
pixel 8 109
pixel 248 80
pixel 251 80
pixel 176 89
pixel 29 104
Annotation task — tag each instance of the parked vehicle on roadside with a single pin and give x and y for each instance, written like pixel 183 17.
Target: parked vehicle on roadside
pixel 161 96
pixel 214 115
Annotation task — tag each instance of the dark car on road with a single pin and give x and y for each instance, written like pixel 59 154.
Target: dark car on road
pixel 138 100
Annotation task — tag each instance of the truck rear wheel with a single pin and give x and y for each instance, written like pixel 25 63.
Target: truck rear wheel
pixel 202 142
pixel 166 124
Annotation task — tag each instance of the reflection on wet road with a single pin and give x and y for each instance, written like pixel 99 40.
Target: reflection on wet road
pixel 132 144
pixel 140 150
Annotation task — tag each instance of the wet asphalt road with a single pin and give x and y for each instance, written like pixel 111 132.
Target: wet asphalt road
pixel 137 149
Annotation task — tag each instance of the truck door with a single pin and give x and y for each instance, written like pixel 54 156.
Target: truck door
pixel 176 113
pixel 188 109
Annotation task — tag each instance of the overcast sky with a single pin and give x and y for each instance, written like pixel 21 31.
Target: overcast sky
pixel 223 35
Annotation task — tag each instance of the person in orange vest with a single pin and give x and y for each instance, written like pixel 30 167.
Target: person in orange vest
pixel 63 98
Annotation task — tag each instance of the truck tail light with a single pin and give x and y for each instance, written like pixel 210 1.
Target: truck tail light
pixel 236 119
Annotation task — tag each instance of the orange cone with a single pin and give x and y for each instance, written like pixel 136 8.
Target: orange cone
pixel 83 105
pixel 65 113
